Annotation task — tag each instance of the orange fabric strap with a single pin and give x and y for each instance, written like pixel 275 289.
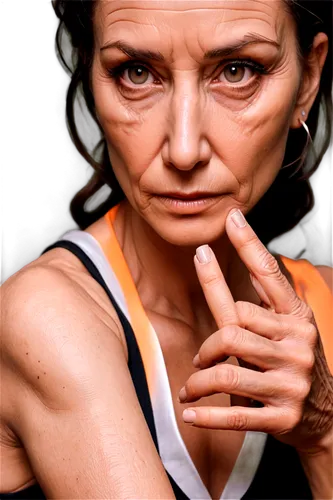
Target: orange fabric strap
pixel 311 287
pixel 138 317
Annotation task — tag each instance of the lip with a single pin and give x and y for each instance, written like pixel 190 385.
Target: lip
pixel 188 203
pixel 195 195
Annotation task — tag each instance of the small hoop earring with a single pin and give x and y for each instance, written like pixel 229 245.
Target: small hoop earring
pixel 303 155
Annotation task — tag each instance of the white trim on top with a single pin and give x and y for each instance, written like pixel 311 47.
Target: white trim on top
pixel 93 249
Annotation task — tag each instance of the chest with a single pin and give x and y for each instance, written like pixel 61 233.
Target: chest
pixel 213 452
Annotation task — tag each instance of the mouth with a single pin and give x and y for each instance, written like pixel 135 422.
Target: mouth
pixel 196 195
pixel 188 203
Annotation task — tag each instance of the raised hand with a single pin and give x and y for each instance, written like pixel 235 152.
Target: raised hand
pixel 279 338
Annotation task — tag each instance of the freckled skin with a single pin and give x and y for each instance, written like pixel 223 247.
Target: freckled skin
pixel 185 131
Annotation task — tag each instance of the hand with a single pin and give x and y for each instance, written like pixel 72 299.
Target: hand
pixel 279 338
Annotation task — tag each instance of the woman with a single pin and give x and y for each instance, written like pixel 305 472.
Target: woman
pixel 130 370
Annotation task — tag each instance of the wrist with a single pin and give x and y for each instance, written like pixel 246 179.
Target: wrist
pixel 324 446
pixel 317 463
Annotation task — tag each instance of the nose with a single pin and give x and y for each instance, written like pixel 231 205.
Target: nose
pixel 186 146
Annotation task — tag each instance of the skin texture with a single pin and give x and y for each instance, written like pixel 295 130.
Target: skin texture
pixel 187 129
pixel 193 130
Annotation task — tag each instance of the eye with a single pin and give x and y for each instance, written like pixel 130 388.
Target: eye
pixel 237 73
pixel 137 74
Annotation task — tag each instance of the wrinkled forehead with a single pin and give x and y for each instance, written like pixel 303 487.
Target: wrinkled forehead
pixel 195 23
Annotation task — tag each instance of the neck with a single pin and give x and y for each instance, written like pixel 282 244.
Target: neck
pixel 164 274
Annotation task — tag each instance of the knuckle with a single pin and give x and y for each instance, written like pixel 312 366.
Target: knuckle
pixel 307 311
pixel 217 344
pixel 307 359
pixel 218 379
pixel 297 389
pixel 225 313
pixel 252 242
pixel 269 265
pixel 291 393
pixel 236 421
pixel 304 389
pixel 288 389
pixel 245 311
pixel 311 334
pixel 287 327
pixel 209 418
pixel 301 309
pixel 229 335
pixel 211 279
pixel 225 377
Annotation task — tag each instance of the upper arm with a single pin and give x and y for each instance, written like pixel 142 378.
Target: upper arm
pixel 69 396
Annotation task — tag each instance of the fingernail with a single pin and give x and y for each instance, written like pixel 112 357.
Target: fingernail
pixel 204 254
pixel 196 361
pixel 238 219
pixel 189 416
pixel 182 395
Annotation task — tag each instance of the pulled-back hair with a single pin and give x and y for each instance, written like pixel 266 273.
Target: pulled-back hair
pixel 287 200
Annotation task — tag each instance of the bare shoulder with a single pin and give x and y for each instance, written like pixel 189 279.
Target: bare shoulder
pixel 327 274
pixel 55 316
pixel 59 279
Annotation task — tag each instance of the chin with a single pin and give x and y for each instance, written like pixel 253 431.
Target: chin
pixel 190 231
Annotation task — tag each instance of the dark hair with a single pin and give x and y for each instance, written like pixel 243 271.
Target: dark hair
pixel 290 192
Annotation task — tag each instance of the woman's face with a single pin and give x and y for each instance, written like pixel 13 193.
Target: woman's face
pixel 195 98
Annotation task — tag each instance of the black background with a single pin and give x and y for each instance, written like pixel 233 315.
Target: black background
pixel 45 170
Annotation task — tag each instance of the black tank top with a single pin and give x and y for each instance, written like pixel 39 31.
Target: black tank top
pixel 279 474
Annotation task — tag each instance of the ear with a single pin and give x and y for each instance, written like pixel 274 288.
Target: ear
pixel 310 82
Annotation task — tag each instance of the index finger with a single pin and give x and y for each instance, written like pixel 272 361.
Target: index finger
pixel 264 267
pixel 215 288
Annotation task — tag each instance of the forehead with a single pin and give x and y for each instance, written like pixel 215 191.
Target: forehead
pixel 195 22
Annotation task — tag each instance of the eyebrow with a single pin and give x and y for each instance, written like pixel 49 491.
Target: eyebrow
pixel 133 52
pixel 249 39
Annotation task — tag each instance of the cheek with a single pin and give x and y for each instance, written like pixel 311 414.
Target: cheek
pixel 252 142
pixel 127 132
